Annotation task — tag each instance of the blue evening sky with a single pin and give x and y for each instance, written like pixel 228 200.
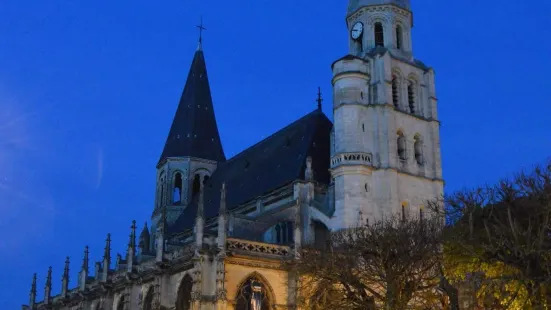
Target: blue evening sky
pixel 88 90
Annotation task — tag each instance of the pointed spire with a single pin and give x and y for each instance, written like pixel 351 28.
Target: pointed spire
pixel 132 238
pixel 48 287
pixel 106 258
pixel 85 260
pixel 83 275
pixel 32 299
pixel 194 131
pixel 131 251
pixel 145 239
pixel 65 279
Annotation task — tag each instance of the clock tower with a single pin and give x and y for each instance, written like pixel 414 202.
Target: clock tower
pixel 385 156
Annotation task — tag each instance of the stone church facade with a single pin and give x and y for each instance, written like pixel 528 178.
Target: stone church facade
pixel 221 227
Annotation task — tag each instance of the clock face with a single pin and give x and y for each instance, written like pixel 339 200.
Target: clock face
pixel 357 30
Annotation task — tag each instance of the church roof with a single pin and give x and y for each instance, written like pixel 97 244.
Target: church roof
pixel 272 163
pixel 194 131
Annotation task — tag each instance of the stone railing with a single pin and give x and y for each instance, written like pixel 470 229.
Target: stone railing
pixel 256 248
pixel 352 159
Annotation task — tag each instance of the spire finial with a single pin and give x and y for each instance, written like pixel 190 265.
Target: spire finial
pixel 85 259
pixel 48 286
pixel 66 269
pixel 132 239
pixel 320 99
pixel 201 28
pixel 107 250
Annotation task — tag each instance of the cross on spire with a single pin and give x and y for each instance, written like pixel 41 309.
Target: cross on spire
pixel 201 28
pixel 320 99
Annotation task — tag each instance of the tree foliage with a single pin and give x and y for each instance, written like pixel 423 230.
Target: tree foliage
pixel 392 264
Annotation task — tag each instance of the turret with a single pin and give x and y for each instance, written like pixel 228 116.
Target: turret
pixel 65 279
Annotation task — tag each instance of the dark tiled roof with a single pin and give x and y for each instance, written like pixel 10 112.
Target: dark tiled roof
pixel 268 165
pixel 194 131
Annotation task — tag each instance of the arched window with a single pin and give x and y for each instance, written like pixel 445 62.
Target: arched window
pixel 281 233
pixel 418 148
pixel 379 34
pixel 411 97
pixel 196 185
pixel 399 37
pixel 253 295
pixel 421 213
pixel 148 301
pixel 401 142
pixel 206 179
pixel 183 301
pixel 120 305
pixel 177 193
pixel 395 91
pixel 404 211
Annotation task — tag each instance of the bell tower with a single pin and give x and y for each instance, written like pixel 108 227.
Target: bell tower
pixel 193 148
pixel 385 157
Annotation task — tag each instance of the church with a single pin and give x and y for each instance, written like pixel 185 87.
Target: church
pixel 220 227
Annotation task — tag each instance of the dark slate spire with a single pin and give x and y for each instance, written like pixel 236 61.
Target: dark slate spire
pixel 194 131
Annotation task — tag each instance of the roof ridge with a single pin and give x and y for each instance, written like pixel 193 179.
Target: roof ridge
pixel 316 111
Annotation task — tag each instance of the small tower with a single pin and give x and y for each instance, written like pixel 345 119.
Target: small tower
pixel 65 279
pixel 83 276
pixel 193 148
pixel 386 142
pixel 32 295
pixel 48 287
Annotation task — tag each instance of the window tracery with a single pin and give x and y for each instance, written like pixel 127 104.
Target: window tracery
pixel 253 295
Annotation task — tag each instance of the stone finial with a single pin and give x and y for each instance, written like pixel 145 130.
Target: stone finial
pixel 131 240
pixel 65 279
pixel 83 276
pixel 48 287
pixel 145 239
pixel 320 98
pixel 32 299
pixel 308 172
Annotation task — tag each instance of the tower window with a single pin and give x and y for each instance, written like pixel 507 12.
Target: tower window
pixel 401 146
pixel 404 212
pixel 411 97
pixel 196 185
pixel 162 200
pixel 395 94
pixel 418 148
pixel 177 194
pixel 379 35
pixel 399 37
pixel 205 179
